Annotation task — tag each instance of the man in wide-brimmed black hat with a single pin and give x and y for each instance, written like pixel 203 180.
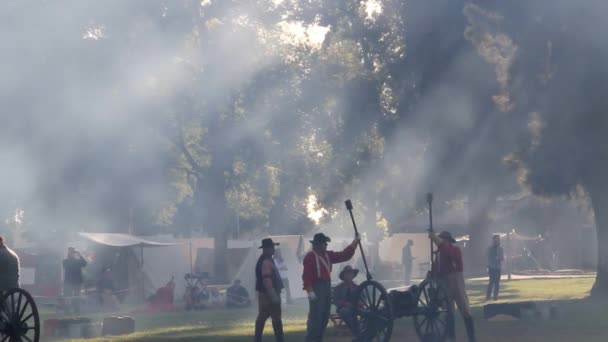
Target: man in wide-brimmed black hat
pixel 345 299
pixel 449 270
pixel 268 284
pixel 317 282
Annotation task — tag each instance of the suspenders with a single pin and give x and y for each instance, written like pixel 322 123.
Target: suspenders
pixel 322 261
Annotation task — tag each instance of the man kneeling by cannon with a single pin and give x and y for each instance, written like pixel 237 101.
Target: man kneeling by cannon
pixel 345 299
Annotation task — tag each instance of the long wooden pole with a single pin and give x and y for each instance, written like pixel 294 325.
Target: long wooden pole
pixel 429 201
pixel 349 207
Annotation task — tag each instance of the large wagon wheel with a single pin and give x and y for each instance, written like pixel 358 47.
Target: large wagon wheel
pixel 374 312
pixel 19 320
pixel 431 313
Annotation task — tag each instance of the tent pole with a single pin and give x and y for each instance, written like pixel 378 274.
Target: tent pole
pixel 190 243
pixel 141 273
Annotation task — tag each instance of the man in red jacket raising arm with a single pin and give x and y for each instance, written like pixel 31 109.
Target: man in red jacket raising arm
pixel 317 282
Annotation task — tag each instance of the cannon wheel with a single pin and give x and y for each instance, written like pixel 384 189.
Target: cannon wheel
pixel 431 314
pixel 374 314
pixel 19 320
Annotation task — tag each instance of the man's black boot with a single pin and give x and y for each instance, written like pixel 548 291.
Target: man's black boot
pixel 468 323
pixel 451 327
pixel 259 330
pixel 277 325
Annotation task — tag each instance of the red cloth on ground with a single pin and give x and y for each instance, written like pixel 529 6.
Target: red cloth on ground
pixel 162 301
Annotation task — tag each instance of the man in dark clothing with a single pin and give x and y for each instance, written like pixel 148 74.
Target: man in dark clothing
pixel 345 299
pixel 106 290
pixel 268 286
pixel 317 282
pixel 406 261
pixel 72 276
pixel 237 296
pixel 495 258
pixel 449 271
pixel 9 267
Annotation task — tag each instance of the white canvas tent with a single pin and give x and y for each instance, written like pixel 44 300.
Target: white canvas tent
pixel 139 280
pixel 122 240
pixel 189 255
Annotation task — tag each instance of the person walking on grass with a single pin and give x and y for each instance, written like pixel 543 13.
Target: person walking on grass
pixel 268 285
pixel 495 259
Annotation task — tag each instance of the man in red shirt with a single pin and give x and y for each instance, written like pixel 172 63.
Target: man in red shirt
pixel 449 269
pixel 317 282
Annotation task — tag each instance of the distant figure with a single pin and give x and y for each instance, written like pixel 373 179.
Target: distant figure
pixel 237 296
pixel 106 290
pixel 72 277
pixel 268 285
pixel 9 267
pixel 345 299
pixel 282 266
pixel 495 258
pixel 449 270
pixel 215 299
pixel 407 260
pixel 317 282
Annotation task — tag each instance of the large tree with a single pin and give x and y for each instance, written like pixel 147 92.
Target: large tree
pixel 561 73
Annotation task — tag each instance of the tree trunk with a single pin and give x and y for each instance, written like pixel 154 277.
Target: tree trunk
pixel 219 223
pixel 599 202
pixel 217 219
pixel 220 262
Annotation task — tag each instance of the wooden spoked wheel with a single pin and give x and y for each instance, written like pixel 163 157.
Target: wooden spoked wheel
pixel 374 312
pixel 19 320
pixel 431 317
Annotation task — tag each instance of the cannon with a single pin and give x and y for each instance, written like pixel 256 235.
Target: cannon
pixel 19 319
pixel 427 302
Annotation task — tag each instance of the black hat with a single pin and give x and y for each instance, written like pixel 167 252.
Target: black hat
pixel 267 243
pixel 320 238
pixel 447 236
pixel 348 269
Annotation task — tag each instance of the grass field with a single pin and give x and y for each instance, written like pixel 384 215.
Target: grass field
pixel 579 318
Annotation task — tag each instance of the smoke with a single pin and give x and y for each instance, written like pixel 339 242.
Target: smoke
pixel 86 93
pixel 90 89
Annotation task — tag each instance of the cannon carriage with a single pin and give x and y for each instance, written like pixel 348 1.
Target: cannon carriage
pixel 427 303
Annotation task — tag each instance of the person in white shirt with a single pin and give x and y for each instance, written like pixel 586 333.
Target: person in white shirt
pixel 283 272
